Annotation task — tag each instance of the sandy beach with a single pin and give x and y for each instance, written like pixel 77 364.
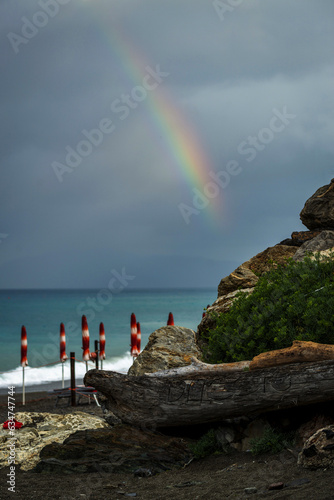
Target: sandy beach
pixel 215 477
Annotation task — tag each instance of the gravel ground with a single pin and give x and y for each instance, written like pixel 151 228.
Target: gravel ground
pixel 233 476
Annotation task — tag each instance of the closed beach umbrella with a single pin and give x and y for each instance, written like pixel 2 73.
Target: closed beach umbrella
pixel 138 337
pixel 102 355
pixel 85 340
pixel 170 321
pixel 24 359
pixel 24 347
pixel 63 356
pixel 134 349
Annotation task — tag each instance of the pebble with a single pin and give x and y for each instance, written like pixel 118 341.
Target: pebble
pixel 126 494
pixel 186 484
pixel 142 472
pixel 276 486
pixel 251 490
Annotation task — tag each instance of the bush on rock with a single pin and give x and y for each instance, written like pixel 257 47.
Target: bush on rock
pixel 294 302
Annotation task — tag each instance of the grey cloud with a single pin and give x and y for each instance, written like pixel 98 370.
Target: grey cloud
pixel 119 206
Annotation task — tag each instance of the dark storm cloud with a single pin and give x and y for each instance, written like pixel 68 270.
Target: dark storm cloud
pixel 119 206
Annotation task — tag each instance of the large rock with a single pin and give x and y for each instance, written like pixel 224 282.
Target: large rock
pixel 240 278
pixel 318 450
pixel 310 427
pixel 247 275
pixel 323 242
pixel 40 429
pixel 271 258
pixel 167 347
pixel 318 211
pixel 118 449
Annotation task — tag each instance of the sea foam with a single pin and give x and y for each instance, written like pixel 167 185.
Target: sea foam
pixel 53 373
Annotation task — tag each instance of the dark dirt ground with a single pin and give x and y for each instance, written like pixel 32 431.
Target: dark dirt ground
pixel 215 477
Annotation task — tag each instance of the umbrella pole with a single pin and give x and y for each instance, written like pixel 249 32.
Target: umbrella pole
pixel 96 347
pixel 23 388
pixel 86 366
pixel 73 396
pixel 62 376
pixel 101 364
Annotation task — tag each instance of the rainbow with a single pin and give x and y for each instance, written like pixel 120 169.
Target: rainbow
pixel 167 123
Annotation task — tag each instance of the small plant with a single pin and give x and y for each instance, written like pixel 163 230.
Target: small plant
pixel 206 445
pixel 271 441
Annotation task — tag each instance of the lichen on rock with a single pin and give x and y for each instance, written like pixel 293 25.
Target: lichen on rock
pixel 167 347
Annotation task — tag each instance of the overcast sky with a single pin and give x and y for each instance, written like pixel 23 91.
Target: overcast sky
pixel 165 140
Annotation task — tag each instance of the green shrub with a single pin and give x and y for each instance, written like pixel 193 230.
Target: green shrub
pixel 206 445
pixel 272 441
pixel 294 302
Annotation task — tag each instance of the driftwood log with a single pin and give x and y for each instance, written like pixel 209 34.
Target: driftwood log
pixel 198 394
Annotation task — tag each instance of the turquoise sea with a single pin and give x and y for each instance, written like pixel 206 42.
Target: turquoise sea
pixel 42 311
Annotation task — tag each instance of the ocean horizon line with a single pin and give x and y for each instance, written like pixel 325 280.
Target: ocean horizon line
pixel 128 289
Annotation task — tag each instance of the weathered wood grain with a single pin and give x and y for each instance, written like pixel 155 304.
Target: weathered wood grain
pixel 203 396
pixel 299 352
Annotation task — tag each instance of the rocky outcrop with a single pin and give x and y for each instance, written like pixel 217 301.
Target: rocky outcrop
pixel 119 449
pixel 240 278
pixel 247 275
pixel 243 279
pixel 323 241
pixel 271 258
pixel 318 217
pixel 299 237
pixel 318 211
pixel 167 347
pixel 318 450
pixel 40 429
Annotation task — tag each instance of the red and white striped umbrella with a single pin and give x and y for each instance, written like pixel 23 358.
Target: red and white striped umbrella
pixel 138 337
pixel 85 339
pixel 24 347
pixel 24 359
pixel 134 349
pixel 170 321
pixel 102 342
pixel 63 356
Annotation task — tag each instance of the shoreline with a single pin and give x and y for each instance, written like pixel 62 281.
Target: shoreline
pixel 43 387
pixel 40 401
